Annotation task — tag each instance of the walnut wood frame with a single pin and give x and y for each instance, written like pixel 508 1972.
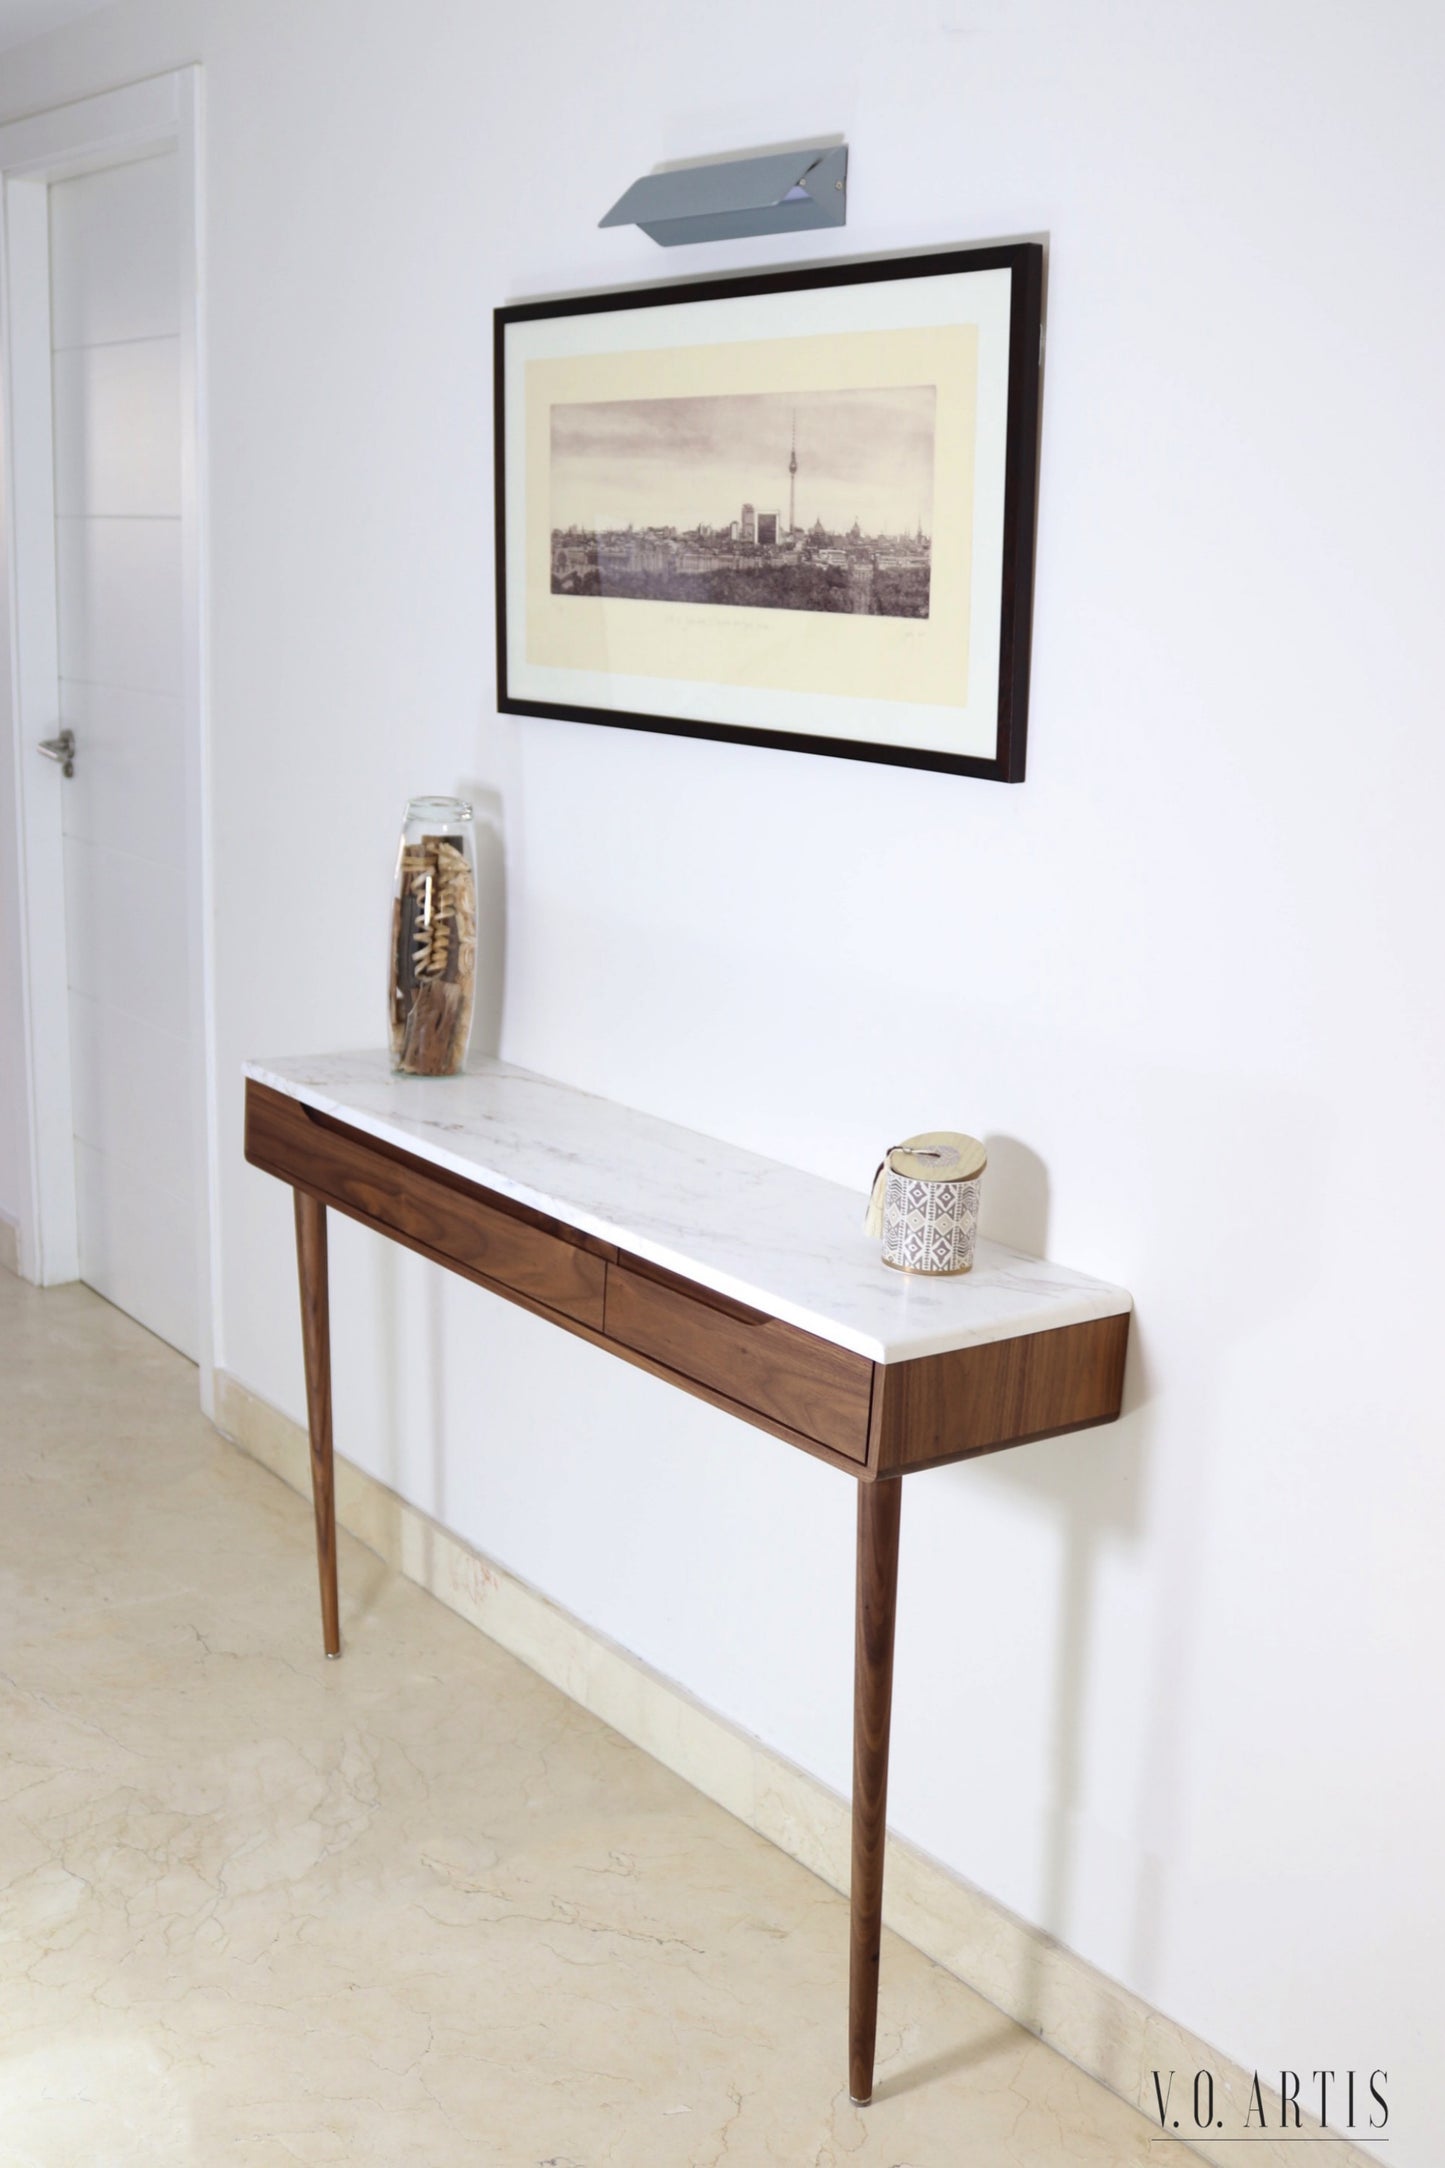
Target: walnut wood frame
pixel 875 1421
pixel 1024 261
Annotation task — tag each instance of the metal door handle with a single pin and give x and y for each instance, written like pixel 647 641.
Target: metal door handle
pixel 61 749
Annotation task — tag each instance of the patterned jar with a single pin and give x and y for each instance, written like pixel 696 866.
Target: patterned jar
pixel 925 1202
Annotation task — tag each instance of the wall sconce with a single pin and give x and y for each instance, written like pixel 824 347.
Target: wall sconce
pixel 785 192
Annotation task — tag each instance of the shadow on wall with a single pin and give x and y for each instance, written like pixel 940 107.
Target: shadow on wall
pixel 1093 1485
pixel 1254 1265
pixel 489 824
pixel 1016 1196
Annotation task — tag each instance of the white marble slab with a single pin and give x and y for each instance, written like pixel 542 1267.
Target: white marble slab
pixel 786 1242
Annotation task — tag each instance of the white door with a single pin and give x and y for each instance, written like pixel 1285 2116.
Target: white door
pixel 115 309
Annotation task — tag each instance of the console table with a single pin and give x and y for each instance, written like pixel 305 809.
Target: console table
pixel 747 1283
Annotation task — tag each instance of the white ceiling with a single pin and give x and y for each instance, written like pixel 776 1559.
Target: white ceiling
pixel 22 19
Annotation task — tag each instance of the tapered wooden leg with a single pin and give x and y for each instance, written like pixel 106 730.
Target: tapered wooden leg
pixel 878 1508
pixel 316 1340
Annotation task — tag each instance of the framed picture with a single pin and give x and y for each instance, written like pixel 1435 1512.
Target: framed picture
pixel 794 510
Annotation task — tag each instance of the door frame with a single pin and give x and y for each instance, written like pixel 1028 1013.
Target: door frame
pixel 115 128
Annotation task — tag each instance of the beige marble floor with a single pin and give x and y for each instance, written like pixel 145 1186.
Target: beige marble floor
pixel 412 1908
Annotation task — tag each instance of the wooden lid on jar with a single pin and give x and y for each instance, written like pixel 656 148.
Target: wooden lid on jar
pixel 938 1155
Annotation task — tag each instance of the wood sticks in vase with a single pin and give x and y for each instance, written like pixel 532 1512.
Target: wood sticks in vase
pixel 434 947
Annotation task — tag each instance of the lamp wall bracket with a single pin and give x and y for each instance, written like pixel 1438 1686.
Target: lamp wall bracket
pixel 733 198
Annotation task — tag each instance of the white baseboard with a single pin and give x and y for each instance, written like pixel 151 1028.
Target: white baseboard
pixel 9 1244
pixel 1100 2026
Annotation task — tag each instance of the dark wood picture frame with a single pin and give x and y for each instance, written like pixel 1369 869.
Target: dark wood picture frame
pixel 1024 262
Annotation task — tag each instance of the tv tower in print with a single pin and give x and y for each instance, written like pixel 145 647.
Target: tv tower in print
pixel 793 478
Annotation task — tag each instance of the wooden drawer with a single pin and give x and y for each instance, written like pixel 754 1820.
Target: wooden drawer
pixel 478 1233
pixel 809 1384
pixel 976 1399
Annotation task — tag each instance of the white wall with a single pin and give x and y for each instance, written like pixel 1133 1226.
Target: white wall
pixel 12 1103
pixel 1172 1688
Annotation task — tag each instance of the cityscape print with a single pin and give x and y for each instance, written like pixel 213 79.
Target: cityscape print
pixel 817 501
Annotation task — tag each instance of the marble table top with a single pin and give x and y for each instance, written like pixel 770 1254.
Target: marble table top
pixel 785 1242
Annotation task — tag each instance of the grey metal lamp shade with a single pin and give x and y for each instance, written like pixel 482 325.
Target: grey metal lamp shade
pixel 786 192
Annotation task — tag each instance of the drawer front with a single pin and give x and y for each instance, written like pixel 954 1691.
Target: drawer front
pixel 406 1198
pixel 808 1384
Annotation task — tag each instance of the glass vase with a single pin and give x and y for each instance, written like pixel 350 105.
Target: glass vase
pixel 433 939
